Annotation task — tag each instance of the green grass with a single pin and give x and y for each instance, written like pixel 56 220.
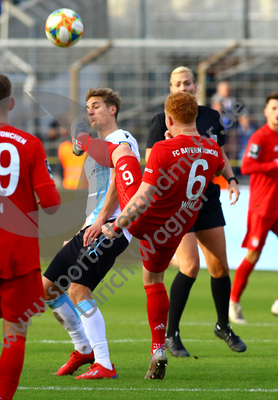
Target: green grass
pixel 212 372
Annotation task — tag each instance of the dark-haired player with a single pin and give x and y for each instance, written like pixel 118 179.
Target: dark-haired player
pixel 77 312
pixel 23 171
pixel 261 162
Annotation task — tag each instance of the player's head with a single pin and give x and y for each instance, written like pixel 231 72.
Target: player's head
pixel 110 98
pixel 182 80
pixel 271 110
pixel 181 108
pixel 6 101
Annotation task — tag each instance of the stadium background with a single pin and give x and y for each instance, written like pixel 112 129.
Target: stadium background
pixel 132 46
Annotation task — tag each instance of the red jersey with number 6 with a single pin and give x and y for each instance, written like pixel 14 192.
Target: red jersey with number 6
pixel 180 169
pixel 23 169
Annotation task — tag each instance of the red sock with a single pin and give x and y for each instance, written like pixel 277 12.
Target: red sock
pixel 128 178
pixel 241 279
pixel 98 149
pixel 157 309
pixel 11 363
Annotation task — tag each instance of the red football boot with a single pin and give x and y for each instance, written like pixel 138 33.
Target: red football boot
pixel 97 371
pixel 76 360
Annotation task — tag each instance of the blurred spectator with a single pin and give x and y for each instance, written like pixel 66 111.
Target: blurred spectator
pixel 246 126
pixel 73 173
pixel 53 132
pixel 223 96
pixel 223 102
pixel 229 109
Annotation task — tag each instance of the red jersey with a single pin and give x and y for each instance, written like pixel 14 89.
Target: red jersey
pixel 23 169
pixel 180 169
pixel 260 161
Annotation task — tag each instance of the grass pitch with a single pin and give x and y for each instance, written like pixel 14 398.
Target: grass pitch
pixel 212 372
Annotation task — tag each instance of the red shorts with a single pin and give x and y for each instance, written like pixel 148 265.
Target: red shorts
pixel 161 247
pixel 158 259
pixel 257 230
pixel 20 294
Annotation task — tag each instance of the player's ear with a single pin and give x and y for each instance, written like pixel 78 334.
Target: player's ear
pixel 171 91
pixel 11 103
pixel 113 110
pixel 170 119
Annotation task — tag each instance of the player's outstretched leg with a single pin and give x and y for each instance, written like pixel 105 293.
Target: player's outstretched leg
pixel 158 365
pixel 157 309
pixel 94 325
pixel 232 340
pixel 100 150
pixel 235 313
pixel 65 312
pixel 11 363
pixel 97 371
pixel 128 177
pixel 76 360
pixel 274 308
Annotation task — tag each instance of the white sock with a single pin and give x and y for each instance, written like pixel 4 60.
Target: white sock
pixel 64 311
pixel 94 325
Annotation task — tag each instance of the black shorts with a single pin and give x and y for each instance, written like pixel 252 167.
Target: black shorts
pixel 72 264
pixel 211 214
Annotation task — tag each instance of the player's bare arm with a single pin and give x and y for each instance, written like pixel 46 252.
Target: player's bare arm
pixel 82 227
pixel 228 173
pixel 147 154
pixel 134 208
pixel 110 204
pixel 220 172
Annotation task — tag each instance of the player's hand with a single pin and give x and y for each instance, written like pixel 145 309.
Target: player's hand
pixel 233 189
pixel 92 233
pixel 168 135
pixel 65 242
pixel 108 233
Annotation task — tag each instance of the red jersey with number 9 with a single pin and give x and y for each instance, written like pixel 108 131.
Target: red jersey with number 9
pixel 180 169
pixel 23 169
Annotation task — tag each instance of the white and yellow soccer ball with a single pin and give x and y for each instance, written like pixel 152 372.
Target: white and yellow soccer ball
pixel 64 27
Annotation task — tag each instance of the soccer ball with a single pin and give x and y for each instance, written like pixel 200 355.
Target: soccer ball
pixel 64 27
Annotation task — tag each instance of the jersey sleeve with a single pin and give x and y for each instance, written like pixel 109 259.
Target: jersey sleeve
pixel 252 161
pixel 49 198
pixel 41 171
pixel 154 163
pixel 127 140
pixel 157 130
pixel 221 164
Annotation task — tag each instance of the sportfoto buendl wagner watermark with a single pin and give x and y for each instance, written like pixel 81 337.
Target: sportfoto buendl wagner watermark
pixel 167 230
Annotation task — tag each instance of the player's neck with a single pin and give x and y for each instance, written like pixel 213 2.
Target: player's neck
pixel 273 127
pixel 3 120
pixel 188 131
pixel 108 129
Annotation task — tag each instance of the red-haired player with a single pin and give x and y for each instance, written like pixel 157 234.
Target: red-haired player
pixel 162 207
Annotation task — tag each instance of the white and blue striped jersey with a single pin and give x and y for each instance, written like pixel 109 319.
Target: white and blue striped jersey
pixel 99 178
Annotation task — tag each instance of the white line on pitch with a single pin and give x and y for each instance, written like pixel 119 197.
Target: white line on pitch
pixel 147 340
pixel 197 323
pixel 148 389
